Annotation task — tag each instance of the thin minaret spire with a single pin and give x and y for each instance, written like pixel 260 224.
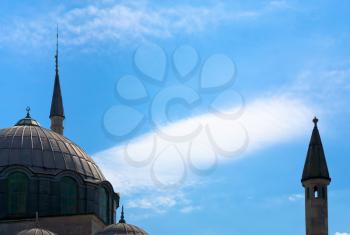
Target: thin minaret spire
pixel 57 111
pixel 56 56
pixel 122 219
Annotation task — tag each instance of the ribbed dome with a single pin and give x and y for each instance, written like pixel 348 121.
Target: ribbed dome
pixel 122 229
pixel 36 231
pixel 44 151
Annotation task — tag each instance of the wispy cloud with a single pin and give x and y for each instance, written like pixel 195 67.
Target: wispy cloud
pixel 157 203
pixel 189 209
pixel 272 118
pixel 268 121
pixel 295 197
pixel 338 233
pixel 122 22
pixel 162 202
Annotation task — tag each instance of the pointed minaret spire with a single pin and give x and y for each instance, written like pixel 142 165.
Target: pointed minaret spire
pixel 122 219
pixel 315 164
pixel 57 111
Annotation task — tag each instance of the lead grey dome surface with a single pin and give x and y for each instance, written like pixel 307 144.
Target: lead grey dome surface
pixel 44 151
pixel 122 229
pixel 36 231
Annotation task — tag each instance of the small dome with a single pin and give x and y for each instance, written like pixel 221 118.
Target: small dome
pixel 28 120
pixel 36 231
pixel 122 228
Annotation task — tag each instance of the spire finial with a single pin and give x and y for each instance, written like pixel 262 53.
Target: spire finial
pixel 315 120
pixel 28 112
pixel 122 219
pixel 56 56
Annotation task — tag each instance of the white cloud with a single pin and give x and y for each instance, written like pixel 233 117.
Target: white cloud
pixel 295 197
pixel 268 121
pixel 337 233
pixel 121 21
pixel 157 203
pixel 189 209
pixel 160 202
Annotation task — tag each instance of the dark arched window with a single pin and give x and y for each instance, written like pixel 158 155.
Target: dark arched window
pixel 316 192
pixel 17 189
pixel 68 196
pixel 103 203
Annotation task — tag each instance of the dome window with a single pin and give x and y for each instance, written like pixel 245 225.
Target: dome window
pixel 68 196
pixel 103 201
pixel 17 193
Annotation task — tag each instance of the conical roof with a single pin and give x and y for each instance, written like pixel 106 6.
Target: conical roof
pixel 57 103
pixel 315 165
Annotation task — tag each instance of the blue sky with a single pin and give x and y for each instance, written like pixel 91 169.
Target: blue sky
pixel 270 66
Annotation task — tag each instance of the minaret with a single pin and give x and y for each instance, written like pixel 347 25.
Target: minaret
pixel 315 180
pixel 57 111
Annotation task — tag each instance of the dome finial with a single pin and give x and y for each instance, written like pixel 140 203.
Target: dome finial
pixel 122 219
pixel 315 120
pixel 27 120
pixel 28 112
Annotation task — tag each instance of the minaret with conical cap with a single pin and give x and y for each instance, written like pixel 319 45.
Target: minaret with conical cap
pixel 57 111
pixel 315 180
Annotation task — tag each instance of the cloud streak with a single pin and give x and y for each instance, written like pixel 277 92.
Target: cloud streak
pixel 295 197
pixel 122 22
pixel 268 121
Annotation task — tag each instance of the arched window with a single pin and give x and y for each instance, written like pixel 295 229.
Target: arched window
pixel 68 196
pixel 103 203
pixel 17 189
pixel 316 193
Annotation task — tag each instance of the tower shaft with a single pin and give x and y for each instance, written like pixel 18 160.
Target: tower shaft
pixel 57 124
pixel 316 206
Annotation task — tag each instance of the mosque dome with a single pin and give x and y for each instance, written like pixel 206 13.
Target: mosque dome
pixel 41 170
pixel 44 151
pixel 122 228
pixel 36 231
